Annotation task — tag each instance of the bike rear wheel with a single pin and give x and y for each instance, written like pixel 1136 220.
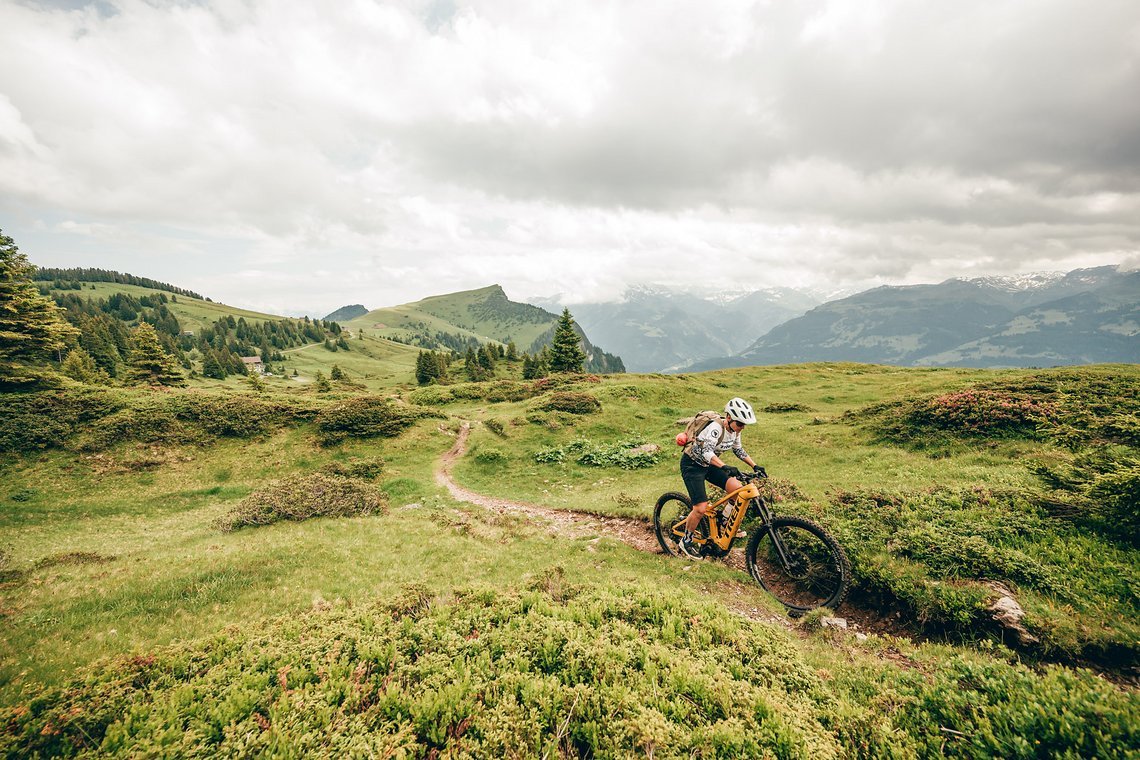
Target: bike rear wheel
pixel 817 573
pixel 669 520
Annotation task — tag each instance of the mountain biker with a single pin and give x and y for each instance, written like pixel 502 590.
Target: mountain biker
pixel 701 462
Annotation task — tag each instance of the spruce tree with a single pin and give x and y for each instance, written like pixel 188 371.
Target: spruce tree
pixel 79 365
pixel 32 327
pixel 211 367
pixel 337 373
pixel 322 382
pixel 148 362
pixel 566 355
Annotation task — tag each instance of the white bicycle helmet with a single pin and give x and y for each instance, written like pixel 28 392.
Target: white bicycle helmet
pixel 740 410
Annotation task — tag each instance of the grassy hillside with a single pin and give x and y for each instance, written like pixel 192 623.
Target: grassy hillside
pixel 438 625
pixel 371 361
pixel 484 314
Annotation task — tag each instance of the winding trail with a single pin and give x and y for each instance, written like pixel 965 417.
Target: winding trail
pixel 568 523
pixel 637 533
pixel 738 597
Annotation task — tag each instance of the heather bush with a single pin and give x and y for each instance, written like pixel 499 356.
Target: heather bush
pixel 365 468
pixel 302 497
pixel 1098 488
pixel 571 402
pixel 48 419
pixel 432 395
pixel 239 416
pixel 933 554
pixel 366 417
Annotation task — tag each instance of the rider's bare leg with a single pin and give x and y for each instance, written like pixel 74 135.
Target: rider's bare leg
pixel 695 516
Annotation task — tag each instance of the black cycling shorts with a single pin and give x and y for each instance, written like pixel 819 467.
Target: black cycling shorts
pixel 695 474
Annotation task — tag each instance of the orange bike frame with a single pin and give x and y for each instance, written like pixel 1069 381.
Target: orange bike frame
pixel 724 540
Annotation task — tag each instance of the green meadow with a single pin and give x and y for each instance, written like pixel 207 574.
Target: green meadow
pixel 135 623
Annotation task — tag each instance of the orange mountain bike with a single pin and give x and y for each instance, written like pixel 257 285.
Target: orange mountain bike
pixel 793 558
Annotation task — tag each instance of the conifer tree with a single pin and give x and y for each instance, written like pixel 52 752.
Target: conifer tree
pixel 255 381
pixel 212 367
pixel 337 373
pixel 427 368
pixel 148 362
pixel 512 352
pixel 322 382
pixel 566 355
pixel 32 327
pixel 79 365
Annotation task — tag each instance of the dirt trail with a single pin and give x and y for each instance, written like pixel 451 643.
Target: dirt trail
pixel 636 533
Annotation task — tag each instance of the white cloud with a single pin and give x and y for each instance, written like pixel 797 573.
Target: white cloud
pixel 426 145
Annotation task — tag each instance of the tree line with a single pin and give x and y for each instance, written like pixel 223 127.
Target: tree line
pixel 563 354
pixel 134 339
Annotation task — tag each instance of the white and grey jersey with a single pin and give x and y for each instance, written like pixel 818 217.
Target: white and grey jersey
pixel 705 444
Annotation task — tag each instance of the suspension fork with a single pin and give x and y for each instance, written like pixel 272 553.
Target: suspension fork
pixel 766 517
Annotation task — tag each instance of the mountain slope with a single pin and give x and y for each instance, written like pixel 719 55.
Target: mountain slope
pixel 657 330
pixel 455 320
pixel 345 313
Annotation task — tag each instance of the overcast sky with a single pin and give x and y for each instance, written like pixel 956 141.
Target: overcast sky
pixel 292 156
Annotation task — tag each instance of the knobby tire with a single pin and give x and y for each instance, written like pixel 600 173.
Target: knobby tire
pixel 820 573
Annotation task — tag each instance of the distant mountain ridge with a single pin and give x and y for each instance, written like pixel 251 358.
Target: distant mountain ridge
pixel 658 329
pixel 1084 316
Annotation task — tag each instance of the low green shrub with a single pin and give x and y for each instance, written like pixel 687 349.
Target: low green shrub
pixel 490 457
pixel 432 395
pixel 366 417
pixel 48 419
pixel 1098 488
pixel 364 468
pixel 571 402
pixel 556 670
pixel 239 416
pixel 631 454
pixel 302 497
pixel 785 408
pixel 934 553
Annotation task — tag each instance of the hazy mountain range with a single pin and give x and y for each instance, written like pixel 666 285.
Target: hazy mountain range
pixel 1084 316
pixel 1040 319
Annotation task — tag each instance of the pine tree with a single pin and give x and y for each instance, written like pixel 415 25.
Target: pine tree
pixel 337 373
pixel 427 368
pixel 255 382
pixel 148 362
pixel 79 365
pixel 322 383
pixel 566 355
pixel 212 367
pixel 512 352
pixel 32 327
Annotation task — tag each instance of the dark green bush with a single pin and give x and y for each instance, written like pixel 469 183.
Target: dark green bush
pixel 302 497
pixel 571 402
pixel 366 417
pixel 238 416
pixel 933 553
pixel 784 408
pixel 356 467
pixel 1098 488
pixel 34 421
pixel 433 395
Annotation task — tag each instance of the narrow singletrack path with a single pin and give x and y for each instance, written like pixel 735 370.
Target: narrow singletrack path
pixel 637 533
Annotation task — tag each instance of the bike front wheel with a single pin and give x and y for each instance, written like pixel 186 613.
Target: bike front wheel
pixel 669 522
pixel 811 571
